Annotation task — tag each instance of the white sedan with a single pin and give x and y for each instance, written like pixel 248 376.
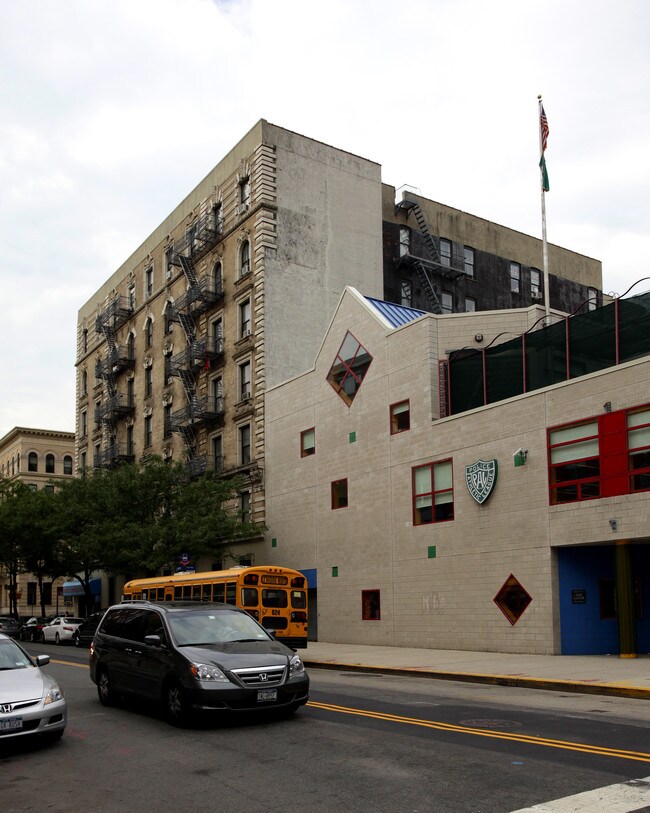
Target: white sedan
pixel 60 629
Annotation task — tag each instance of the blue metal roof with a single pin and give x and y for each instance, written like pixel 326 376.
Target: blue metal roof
pixel 395 315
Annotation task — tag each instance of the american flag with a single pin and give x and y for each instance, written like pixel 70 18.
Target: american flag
pixel 543 126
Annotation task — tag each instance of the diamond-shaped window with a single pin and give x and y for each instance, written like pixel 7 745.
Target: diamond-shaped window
pixel 349 368
pixel 512 599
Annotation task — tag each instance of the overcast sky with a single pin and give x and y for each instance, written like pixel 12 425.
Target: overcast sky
pixel 111 111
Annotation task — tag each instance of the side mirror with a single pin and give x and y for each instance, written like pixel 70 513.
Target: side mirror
pixel 153 640
pixel 42 660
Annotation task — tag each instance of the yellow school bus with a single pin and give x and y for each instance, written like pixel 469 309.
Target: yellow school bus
pixel 274 596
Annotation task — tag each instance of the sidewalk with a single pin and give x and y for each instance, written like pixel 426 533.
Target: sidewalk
pixel 589 674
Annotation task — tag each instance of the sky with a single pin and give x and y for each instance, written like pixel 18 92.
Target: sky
pixel 111 111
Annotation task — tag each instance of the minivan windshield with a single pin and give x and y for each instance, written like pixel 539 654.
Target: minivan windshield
pixel 205 627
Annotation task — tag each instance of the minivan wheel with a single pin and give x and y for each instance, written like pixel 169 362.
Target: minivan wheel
pixel 105 689
pixel 176 704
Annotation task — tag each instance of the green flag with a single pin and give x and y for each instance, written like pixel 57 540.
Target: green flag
pixel 542 166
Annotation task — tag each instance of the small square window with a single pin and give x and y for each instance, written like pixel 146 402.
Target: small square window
pixel 400 417
pixel 370 605
pixel 339 494
pixel 307 442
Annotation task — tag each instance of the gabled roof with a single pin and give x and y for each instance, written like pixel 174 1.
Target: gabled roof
pixel 395 315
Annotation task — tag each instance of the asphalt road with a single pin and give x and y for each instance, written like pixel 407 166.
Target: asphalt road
pixel 364 743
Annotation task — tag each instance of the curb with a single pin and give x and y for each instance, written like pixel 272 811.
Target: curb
pixel 517 681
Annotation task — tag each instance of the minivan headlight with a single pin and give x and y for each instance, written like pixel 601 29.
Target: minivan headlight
pixel 296 666
pixel 205 671
pixel 53 695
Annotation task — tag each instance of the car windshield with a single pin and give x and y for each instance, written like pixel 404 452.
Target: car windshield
pixel 12 657
pixel 214 628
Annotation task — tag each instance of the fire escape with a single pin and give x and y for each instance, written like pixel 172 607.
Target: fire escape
pixel 200 353
pixel 435 267
pixel 114 406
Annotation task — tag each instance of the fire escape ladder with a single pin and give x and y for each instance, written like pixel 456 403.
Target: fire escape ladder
pixel 428 287
pixel 426 233
pixel 189 439
pixel 187 323
pixel 187 264
pixel 189 384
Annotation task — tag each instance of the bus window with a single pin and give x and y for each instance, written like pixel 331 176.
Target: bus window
pixel 178 592
pixel 207 592
pixel 274 598
pixel 145 594
pixel 231 592
pixel 218 592
pixel 249 597
pixel 298 599
pixel 196 592
pixel 161 594
pixel 187 592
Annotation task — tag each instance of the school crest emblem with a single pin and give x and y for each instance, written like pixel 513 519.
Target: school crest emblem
pixel 481 477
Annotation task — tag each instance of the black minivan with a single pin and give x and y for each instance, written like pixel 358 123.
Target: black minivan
pixel 194 658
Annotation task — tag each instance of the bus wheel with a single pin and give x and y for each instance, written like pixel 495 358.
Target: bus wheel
pixel 176 704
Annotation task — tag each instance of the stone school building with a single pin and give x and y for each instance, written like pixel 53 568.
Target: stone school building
pixel 445 488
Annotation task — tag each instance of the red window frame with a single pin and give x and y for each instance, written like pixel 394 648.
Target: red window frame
pixel 581 484
pixel 641 470
pixel 434 491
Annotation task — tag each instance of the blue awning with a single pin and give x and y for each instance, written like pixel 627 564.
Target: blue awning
pixel 74 588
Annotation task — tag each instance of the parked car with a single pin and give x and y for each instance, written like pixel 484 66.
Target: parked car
pixel 9 626
pixel 31 702
pixel 85 632
pixel 192 658
pixel 60 629
pixel 31 628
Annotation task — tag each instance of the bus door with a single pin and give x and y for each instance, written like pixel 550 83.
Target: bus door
pixel 169 593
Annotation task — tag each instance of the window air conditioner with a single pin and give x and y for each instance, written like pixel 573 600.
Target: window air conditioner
pixel 245 333
pixel 536 294
pixel 243 207
pixel 246 394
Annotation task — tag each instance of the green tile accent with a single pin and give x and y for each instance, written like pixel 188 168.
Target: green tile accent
pixel 335 572
pixel 432 551
pixel 353 437
pixel 274 543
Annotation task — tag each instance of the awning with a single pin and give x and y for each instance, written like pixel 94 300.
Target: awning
pixel 74 588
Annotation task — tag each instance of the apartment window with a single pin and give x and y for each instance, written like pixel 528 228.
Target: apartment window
pixel 132 297
pixel 468 254
pixel 148 332
pixel 148 382
pixel 84 423
pixel 217 215
pixel 349 368
pixel 217 335
pixel 445 252
pixel 83 463
pixel 244 444
pixel 400 417
pixel 404 241
pixel 244 318
pixel 370 605
pixel 535 290
pixel 167 420
pixel 446 302
pixel 245 192
pixel 308 442
pixel 245 506
pixel 130 347
pixel 245 259
pixel 169 317
pixel 148 434
pixel 217 278
pixel 130 443
pixel 67 464
pixel 406 293
pixel 217 394
pixel 470 304
pixel 339 494
pixel 574 468
pixel 217 452
pixel 148 282
pixel 592 302
pixel 84 340
pixel 48 488
pixel 244 381
pixel 169 377
pixel 49 464
pixel 130 392
pixel 32 461
pixel 515 274
pixel 97 456
pixel 84 383
pixel 169 264
pixel 433 493
pixel 638 444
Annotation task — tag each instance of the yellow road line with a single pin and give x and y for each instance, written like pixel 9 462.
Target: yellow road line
pixel 638 756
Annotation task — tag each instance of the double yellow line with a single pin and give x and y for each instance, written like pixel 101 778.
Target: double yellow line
pixel 637 756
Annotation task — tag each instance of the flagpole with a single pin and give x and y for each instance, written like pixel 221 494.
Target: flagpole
pixel 544 243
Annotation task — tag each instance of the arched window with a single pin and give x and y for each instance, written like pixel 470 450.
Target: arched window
pixel 49 464
pixel 130 346
pixel 169 317
pixel 245 258
pixel 67 464
pixel 84 383
pixel 217 276
pixel 32 462
pixel 148 332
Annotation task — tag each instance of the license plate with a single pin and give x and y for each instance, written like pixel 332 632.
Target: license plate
pixel 266 695
pixel 11 724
